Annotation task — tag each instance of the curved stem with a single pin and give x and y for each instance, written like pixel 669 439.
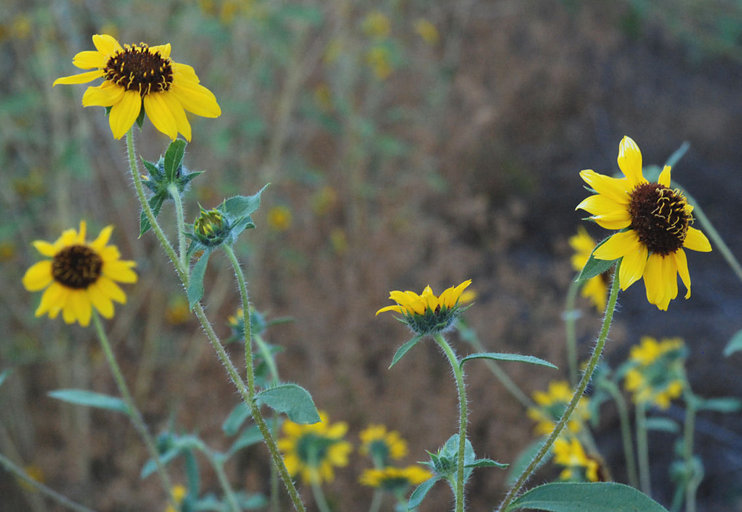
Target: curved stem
pixel 642 448
pixel 179 225
pixel 459 375
pixel 246 317
pixel 319 497
pixel 376 501
pixel 570 318
pixel 592 363
pixel 224 482
pixel 133 412
pixel 689 425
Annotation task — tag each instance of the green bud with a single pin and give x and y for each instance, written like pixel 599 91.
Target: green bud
pixel 211 227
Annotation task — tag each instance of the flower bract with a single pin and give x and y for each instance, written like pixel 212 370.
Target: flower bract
pixel 427 313
pixel 140 76
pixel 654 223
pixel 313 450
pixel 79 275
pixel 594 289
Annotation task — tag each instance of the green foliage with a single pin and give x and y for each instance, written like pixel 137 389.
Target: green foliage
pixel 594 267
pixel 195 289
pixel 499 356
pixel 401 351
pixel 5 374
pixel 90 399
pixel 291 399
pixel 524 458
pixel 586 497
pixel 734 345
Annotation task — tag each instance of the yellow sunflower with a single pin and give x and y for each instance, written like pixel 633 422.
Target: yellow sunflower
pixel 313 450
pixel 395 479
pixel 79 275
pixel 382 444
pixel 578 466
pixel 136 76
pixel 654 222
pixel 656 374
pixel 551 404
pixel 596 288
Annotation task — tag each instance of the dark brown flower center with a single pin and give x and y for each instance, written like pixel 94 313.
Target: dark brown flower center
pixel 77 266
pixel 138 68
pixel 660 218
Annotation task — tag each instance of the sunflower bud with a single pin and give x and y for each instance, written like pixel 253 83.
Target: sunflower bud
pixel 211 227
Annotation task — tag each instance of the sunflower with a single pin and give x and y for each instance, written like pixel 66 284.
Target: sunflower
pixel 654 222
pixel 382 444
pixel 551 404
pixel 313 450
pixel 595 289
pixel 394 479
pixel 578 466
pixel 656 373
pixel 136 76
pixel 426 313
pixel 79 275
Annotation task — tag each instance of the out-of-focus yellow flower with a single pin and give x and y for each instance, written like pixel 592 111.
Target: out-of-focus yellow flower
pixel 339 241
pixel 376 24
pixel 279 218
pixel 7 251
pixel 578 466
pixel 552 404
pixel 427 31
pixel 324 200
pixel 393 479
pixel 382 445
pixel 21 27
pixel 332 51
pixel 596 288
pixel 178 493
pixel 656 374
pixel 468 296
pixel 323 97
pixel 110 29
pixel 379 60
pixel 177 311
pixel 35 473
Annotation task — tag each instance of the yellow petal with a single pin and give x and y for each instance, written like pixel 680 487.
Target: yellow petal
pixel 106 44
pixel 162 49
pixel 196 98
pixel 176 109
pixel 81 304
pixel 695 240
pixel 396 309
pixel 80 78
pixel 90 59
pixel 100 301
pixel 120 271
pixel 630 161
pixel 632 265
pixel 124 113
pixel 616 188
pixel 51 300
pixel 665 178
pixel 38 277
pixel 185 71
pixel 45 248
pixel 660 280
pixel 105 95
pixel 605 210
pixel 159 114
pixel 111 289
pixel 100 242
pixel 618 246
pixel 681 261
pixel 69 314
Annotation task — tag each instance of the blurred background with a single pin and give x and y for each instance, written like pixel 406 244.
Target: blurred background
pixel 407 143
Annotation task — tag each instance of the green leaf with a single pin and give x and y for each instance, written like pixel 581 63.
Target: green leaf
pixel 173 158
pixel 594 267
pixel 486 463
pixel 155 204
pixel 586 497
pixel 235 419
pixel 248 437
pixel 524 458
pixel 4 375
pixel 151 466
pixel 499 356
pixel 196 284
pixel 90 399
pixel 418 495
pixel 726 405
pixel 734 345
pixel 242 206
pixel 662 425
pixel 401 351
pixel 291 399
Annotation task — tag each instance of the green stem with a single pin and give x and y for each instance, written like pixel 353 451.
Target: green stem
pixel 626 437
pixel 592 363
pixel 211 334
pixel 376 501
pixel 319 497
pixel 688 435
pixel 53 495
pixel 224 482
pixel 459 375
pixel 133 412
pixel 249 370
pixel 570 318
pixel 642 448
pixel 180 225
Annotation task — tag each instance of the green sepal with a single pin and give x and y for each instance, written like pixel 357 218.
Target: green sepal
pixel 5 374
pixel 140 117
pixel 90 399
pixel 418 495
pixel 594 266
pixel 174 158
pixel 734 345
pixel 499 356
pixel 195 290
pixel 401 351
pixel 581 497
pixel 291 399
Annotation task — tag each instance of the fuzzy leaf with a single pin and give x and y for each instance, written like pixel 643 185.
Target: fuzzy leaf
pixel 401 351
pixel 486 463
pixel 196 283
pixel 734 345
pixel 236 418
pixel 155 203
pixel 90 399
pixel 418 495
pixel 291 399
pixel 173 158
pixel 594 267
pixel 725 405
pixel 586 497
pixel 242 206
pixel 499 356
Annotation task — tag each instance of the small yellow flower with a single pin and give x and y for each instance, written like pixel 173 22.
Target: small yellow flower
pixel 279 218
pixel 596 288
pixel 382 445
pixel 654 223
pixel 656 374
pixel 324 200
pixel 313 450
pixel 427 31
pixel 569 453
pixel 179 492
pixel 426 313
pixel 395 479
pixel 552 404
pixel 35 473
pixel 140 76
pixel 379 60
pixel 177 311
pixel 79 276
pixel 376 24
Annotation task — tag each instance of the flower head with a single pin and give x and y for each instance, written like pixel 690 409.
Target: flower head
pixel 578 466
pixel 426 313
pixel 136 76
pixel 279 218
pixel 313 450
pixel 552 404
pixel 596 288
pixel 395 480
pixel 656 373
pixel 382 445
pixel 654 222
pixel 179 493
pixel 80 275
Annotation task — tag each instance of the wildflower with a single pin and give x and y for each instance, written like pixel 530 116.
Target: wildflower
pixel 552 404
pixel 79 275
pixel 426 313
pixel 578 466
pixel 236 323
pixel 211 227
pixel 382 445
pixel 656 372
pixel 177 311
pixel 376 24
pixel 596 288
pixel 33 472
pixel 395 480
pixel 313 450
pixel 279 218
pixel 427 31
pixel 379 59
pixel 654 222
pixel 324 200
pixel 136 76
pixel 178 492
